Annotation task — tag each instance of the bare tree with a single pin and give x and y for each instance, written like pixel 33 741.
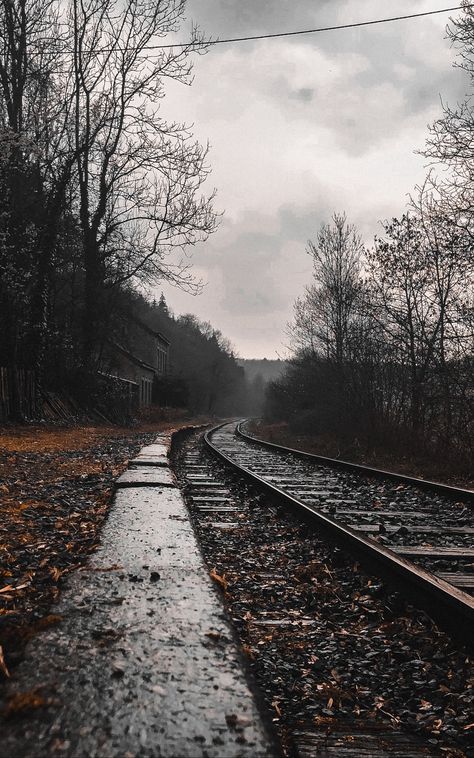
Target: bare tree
pixel 323 316
pixel 418 277
pixel 139 176
pixel 450 140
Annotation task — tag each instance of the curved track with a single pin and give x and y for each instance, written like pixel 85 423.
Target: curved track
pixel 417 534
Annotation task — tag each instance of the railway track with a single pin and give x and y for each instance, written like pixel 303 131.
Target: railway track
pixel 344 665
pixel 418 535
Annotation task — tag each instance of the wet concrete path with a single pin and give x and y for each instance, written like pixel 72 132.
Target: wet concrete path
pixel 143 663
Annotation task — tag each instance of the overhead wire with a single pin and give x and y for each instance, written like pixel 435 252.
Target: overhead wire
pixel 319 29
pixel 201 44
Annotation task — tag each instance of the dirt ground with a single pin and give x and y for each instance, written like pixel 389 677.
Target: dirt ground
pixel 56 487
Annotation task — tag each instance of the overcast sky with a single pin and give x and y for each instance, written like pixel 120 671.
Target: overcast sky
pixel 300 128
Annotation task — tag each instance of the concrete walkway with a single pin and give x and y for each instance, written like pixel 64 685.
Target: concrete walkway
pixel 144 663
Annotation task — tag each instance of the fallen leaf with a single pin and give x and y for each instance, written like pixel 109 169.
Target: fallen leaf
pixel 49 620
pixel 219 579
pixel 3 665
pixel 248 651
pixel 214 636
pixel 11 588
pixel 277 708
pixel 24 701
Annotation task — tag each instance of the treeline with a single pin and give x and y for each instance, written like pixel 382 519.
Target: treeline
pixel 384 337
pixel 99 192
pixel 259 372
pixel 203 373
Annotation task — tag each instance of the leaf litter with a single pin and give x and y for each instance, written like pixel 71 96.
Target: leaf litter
pixel 56 488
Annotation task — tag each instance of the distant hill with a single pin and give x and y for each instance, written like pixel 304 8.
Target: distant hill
pixel 268 369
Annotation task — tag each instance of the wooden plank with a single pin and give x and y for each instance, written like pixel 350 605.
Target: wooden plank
pixel 211 499
pixel 465 581
pixel 361 743
pixel 375 528
pixel 433 552
pixel 384 514
pixel 217 509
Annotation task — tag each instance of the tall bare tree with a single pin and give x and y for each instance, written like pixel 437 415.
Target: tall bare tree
pixel 323 315
pixel 451 137
pixel 139 176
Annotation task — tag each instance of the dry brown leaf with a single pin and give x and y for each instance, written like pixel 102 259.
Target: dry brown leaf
pixel 3 665
pixel 49 620
pixel 11 588
pixel 24 701
pixel 219 579
pixel 214 636
pixel 277 708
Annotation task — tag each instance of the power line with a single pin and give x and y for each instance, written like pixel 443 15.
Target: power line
pixel 316 31
pixel 339 27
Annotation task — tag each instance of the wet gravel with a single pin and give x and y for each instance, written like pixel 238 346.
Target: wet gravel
pixel 331 647
pixel 391 511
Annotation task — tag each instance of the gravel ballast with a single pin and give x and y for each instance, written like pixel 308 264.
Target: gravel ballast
pixel 333 649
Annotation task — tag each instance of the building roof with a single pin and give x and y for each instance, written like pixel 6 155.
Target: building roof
pixel 146 328
pixel 131 357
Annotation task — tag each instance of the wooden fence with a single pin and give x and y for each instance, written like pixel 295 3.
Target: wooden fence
pixel 117 399
pixel 18 396
pixel 113 399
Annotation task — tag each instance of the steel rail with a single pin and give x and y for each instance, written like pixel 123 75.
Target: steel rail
pixel 457 493
pixel 452 608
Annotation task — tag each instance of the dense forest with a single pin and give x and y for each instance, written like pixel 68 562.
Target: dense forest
pixel 203 373
pixel 259 372
pixel 99 193
pixel 383 337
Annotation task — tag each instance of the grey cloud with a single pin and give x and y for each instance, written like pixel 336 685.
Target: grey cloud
pixel 248 281
pixel 373 95
pixel 305 94
pixel 394 71
pixel 234 18
pixel 248 17
pixel 251 262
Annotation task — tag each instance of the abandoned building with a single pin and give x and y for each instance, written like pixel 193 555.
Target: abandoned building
pixel 137 355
